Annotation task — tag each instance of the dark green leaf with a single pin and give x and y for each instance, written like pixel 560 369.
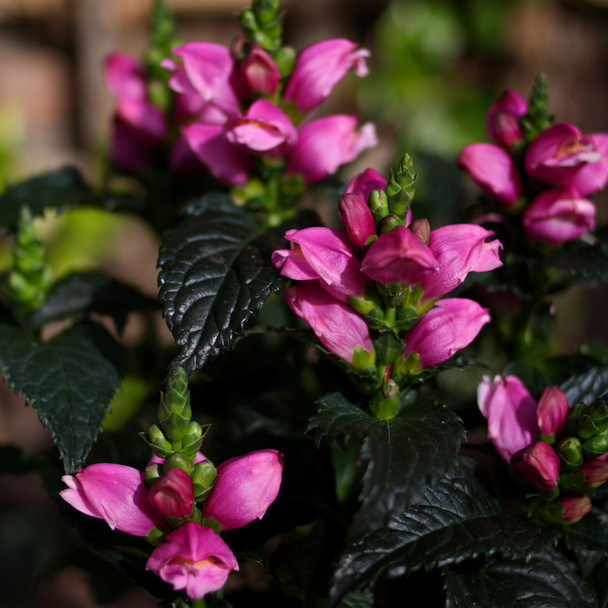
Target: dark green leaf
pixel 90 292
pixel 577 262
pixel 457 520
pixel 214 278
pixel 587 386
pixel 589 534
pixel 69 381
pixel 60 189
pixel 404 455
pixel 543 580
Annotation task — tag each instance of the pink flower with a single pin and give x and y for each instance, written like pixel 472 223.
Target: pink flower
pixel 193 558
pixel 511 413
pixel 259 71
pixel 398 256
pixel 245 487
pixel 125 77
pixel 458 249
pixel 562 155
pixel 115 493
pixel 595 472
pixel 538 463
pixel 364 183
pixel 324 254
pixel 319 67
pixel 502 119
pixel 207 70
pixel 575 507
pixel 173 494
pixel 226 162
pixel 493 169
pixel 327 143
pixel 551 411
pixel 263 128
pixel 337 326
pixel 453 324
pixel 557 216
pixel 357 218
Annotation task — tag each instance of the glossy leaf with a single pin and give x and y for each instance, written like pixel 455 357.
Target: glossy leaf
pixel 214 278
pixel 586 386
pixel 69 381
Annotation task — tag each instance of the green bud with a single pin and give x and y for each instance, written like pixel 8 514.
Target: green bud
pixel 572 481
pixel 573 416
pixel 385 402
pixel 363 359
pixel 285 59
pixel 152 472
pixel 389 222
pixel 595 446
pixel 203 475
pixel 598 415
pixel 378 205
pixel 193 439
pixel 265 10
pixel 178 461
pixel 401 186
pixel 570 451
pixel 174 411
pixel 155 537
pixel 247 20
pixel 157 441
pixel 548 512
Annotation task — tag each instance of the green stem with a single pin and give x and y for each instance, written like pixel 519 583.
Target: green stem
pixel 198 603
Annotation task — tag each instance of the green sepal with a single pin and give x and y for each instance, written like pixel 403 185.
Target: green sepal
pixel 572 481
pixel 595 446
pixel 385 401
pixel 193 439
pixel 570 451
pixel 362 359
pixel 212 523
pixel 156 439
pixel 155 537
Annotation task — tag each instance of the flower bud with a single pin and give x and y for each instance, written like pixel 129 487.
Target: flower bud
pixel 178 461
pixel 172 495
pixel 551 412
pixel 357 218
pixel 595 472
pixel 203 475
pixel 570 451
pixel 572 481
pixel 595 446
pixel 573 416
pixel 152 472
pixel 594 420
pixel 174 411
pixel 156 439
pixel 193 439
pixel 260 71
pixel 574 508
pixel 385 402
pixel 378 204
pixel 538 463
pixel 422 229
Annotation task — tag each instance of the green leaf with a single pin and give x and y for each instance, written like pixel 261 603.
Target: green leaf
pixel 544 579
pixel 457 520
pixel 576 262
pixel 214 278
pixel 69 381
pixel 83 293
pixel 404 455
pixel 60 189
pixel 587 386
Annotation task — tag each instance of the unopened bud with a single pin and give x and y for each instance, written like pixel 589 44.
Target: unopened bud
pixel 193 439
pixel 152 472
pixel 156 439
pixel 178 461
pixel 595 472
pixel 172 494
pixel 385 402
pixel 203 475
pixel 572 418
pixel 265 10
pixel 570 451
pixel 572 481
pixel 595 446
pixel 389 222
pixel 538 463
pixel 422 229
pixel 574 508
pixel 595 419
pixel 378 204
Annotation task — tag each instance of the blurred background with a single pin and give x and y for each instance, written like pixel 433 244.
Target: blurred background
pixel 435 68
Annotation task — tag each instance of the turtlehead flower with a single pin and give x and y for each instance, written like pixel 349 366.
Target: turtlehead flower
pixel 511 413
pixel 551 412
pixel 337 326
pixel 115 493
pixel 557 216
pixel 575 507
pixel 502 119
pixel 364 183
pixel 259 71
pixel 445 329
pixel 194 559
pixel 357 219
pixel 173 494
pixel 564 156
pixel 494 170
pixel 319 67
pixel 245 487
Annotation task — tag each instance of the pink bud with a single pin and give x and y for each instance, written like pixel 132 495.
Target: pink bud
pixel 337 326
pixel 458 249
pixel 364 183
pixel 324 254
pixel 502 119
pixel 245 487
pixel 558 216
pixel 453 324
pixel 193 558
pixel 538 463
pixel 226 162
pixel 260 71
pixel 575 507
pixel 263 128
pixel 551 411
pixel 562 155
pixel 494 170
pixel 398 256
pixel 319 67
pixel 510 411
pixel 595 471
pixel 357 218
pixel 115 493
pixel 327 143
pixel 173 494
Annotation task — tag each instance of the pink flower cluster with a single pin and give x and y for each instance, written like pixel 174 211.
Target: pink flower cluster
pixel 336 275
pixel 550 177
pixel 193 557
pixel 230 111
pixel 562 456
